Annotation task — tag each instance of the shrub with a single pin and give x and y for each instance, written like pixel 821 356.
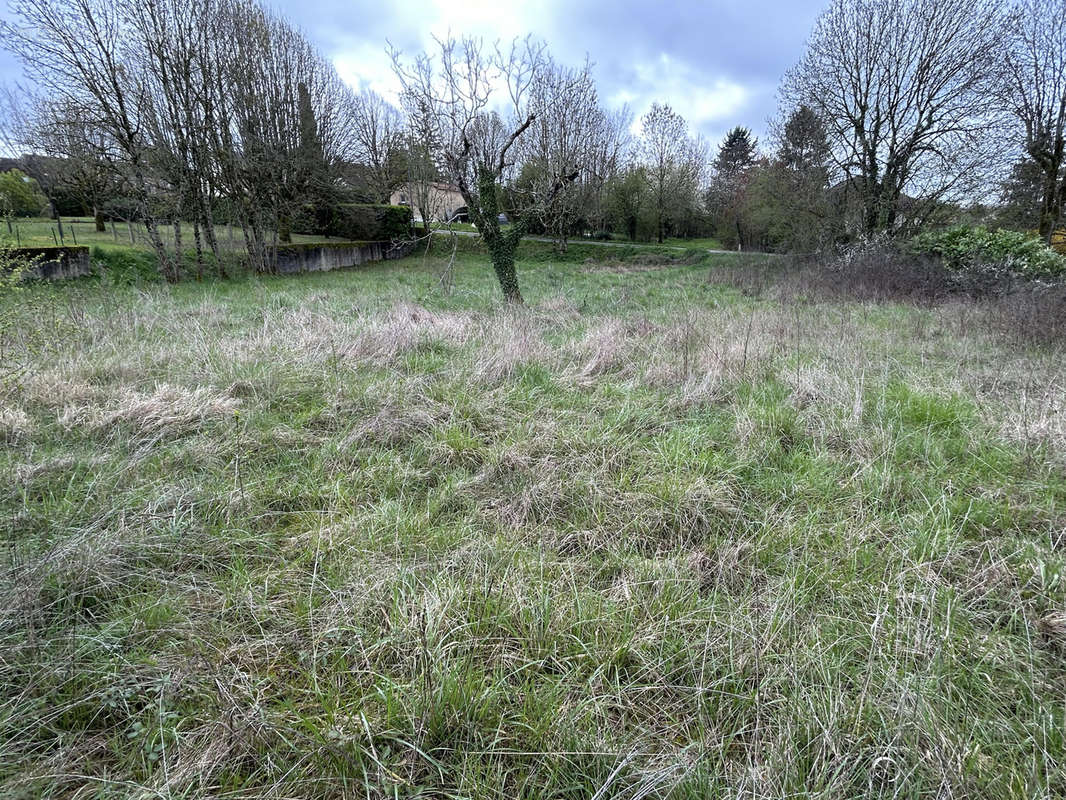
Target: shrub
pixel 874 270
pixel 869 270
pixel 991 256
pixel 370 223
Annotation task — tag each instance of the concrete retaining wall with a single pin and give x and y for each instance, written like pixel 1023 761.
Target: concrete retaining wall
pixel 57 263
pixel 326 256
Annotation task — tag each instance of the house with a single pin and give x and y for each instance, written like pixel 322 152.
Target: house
pixel 444 200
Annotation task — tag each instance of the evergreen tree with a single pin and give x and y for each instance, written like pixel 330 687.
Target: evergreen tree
pixel 726 198
pixel 804 144
pixel 1022 195
pixel 736 153
pixel 314 187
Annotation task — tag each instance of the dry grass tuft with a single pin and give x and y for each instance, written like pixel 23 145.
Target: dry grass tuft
pixel 393 425
pixel 513 338
pixel 558 308
pixel 730 567
pixel 404 328
pixel 15 425
pixel 57 389
pixel 1053 626
pixel 610 346
pixel 167 409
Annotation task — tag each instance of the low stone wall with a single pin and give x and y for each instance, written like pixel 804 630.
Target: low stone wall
pixel 57 263
pixel 326 256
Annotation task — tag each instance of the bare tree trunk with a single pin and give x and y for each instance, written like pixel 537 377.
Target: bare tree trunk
pixel 170 269
pixel 208 226
pixel 199 251
pixel 177 242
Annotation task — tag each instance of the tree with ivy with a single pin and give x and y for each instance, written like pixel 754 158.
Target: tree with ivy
pixel 459 86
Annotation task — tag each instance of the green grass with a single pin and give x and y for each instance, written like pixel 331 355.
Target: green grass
pixel 705 243
pixel 82 231
pixel 356 534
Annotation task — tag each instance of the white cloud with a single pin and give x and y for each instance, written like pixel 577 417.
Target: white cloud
pixel 363 65
pixel 704 100
pixel 709 99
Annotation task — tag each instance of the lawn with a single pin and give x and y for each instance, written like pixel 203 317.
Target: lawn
pixel 82 231
pixel 370 534
pixel 705 243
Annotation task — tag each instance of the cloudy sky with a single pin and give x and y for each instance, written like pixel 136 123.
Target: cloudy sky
pixel 717 63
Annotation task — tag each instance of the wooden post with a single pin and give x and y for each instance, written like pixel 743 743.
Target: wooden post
pixel 59 222
pixel 114 233
pixel 54 239
pixel 131 231
pixel 74 233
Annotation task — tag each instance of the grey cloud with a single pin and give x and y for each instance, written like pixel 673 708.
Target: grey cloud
pixel 717 63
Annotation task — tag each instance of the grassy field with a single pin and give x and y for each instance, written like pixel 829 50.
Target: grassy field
pixel 82 231
pixel 694 244
pixel 368 534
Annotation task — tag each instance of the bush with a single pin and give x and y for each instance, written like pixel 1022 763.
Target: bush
pixel 370 223
pixel 869 270
pixel 874 271
pixel 991 256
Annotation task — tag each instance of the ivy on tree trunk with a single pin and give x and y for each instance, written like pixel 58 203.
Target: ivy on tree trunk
pixel 484 210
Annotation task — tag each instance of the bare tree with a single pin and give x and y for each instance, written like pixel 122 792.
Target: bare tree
pixel 672 161
pixel 903 87
pixel 562 140
pixel 71 156
pixel 1034 88
pixel 610 144
pixel 82 54
pixel 377 134
pixel 277 105
pixel 422 172
pixel 458 86
pixel 173 38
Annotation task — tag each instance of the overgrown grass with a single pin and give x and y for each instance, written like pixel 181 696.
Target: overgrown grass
pixel 358 535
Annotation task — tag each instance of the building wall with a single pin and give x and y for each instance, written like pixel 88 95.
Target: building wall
pixel 443 199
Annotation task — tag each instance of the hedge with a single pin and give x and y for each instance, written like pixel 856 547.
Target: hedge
pixel 370 223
